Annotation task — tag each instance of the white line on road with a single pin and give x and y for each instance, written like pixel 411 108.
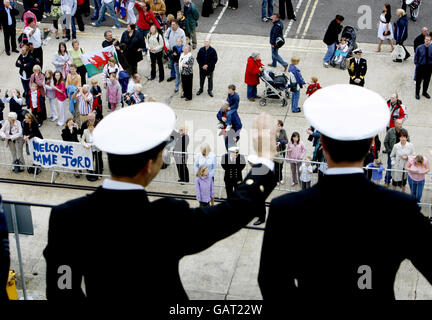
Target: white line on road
pixel 302 19
pixel 217 21
pixel 310 19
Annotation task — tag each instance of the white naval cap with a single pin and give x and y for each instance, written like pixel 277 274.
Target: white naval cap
pixel 234 149
pixel 358 50
pixel 135 129
pixel 347 112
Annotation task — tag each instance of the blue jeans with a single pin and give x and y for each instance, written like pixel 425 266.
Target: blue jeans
pixel 171 63
pixel 97 5
pixel 110 8
pixel 330 52
pixel 143 35
pixel 266 4
pixel 277 58
pixel 295 97
pixel 416 188
pixel 387 178
pixel 251 91
pixel 177 75
pixel 73 29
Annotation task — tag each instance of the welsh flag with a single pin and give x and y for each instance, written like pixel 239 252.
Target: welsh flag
pixel 96 60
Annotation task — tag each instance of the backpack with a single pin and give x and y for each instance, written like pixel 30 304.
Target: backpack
pixel 292 82
pixel 22 39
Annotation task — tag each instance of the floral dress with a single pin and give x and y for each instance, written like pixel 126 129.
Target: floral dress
pixel 56 9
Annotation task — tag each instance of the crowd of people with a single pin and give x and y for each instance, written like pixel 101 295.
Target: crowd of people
pixel 168 31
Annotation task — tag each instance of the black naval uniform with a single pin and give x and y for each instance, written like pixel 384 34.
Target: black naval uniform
pixel 340 224
pixel 127 248
pixel 357 70
pixel 233 172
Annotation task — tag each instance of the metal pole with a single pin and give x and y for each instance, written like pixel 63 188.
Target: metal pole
pixel 15 226
pixel 52 176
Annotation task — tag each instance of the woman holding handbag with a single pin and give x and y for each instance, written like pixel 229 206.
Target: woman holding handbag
pixel 401 34
pixel 385 28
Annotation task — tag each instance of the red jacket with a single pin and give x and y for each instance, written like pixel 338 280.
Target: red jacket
pixel 312 88
pixel 397 112
pixel 252 71
pixel 145 18
pixel 38 107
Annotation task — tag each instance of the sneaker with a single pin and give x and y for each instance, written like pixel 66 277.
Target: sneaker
pixel 282 182
pixel 228 127
pixel 326 65
pixel 220 126
pixel 114 27
pixel 293 184
pixel 94 24
pixel 265 19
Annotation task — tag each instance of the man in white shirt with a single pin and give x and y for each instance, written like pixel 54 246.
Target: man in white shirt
pixel 171 35
pixel 34 36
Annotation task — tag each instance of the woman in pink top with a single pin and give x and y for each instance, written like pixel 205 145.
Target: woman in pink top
pixel 295 153
pixel 417 168
pixel 60 92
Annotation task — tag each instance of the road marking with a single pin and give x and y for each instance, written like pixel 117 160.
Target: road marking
pixel 292 21
pixel 302 19
pixel 310 19
pixel 217 21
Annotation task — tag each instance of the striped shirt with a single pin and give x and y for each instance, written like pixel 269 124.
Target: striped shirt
pixel 85 107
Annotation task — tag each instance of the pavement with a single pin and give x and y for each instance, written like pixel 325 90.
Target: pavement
pixel 206 275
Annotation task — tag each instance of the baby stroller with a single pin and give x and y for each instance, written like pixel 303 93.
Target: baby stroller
pixel 276 87
pixel 349 33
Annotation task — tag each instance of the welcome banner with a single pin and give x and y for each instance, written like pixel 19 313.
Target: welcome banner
pixel 56 153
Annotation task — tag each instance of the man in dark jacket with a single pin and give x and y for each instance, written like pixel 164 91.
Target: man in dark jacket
pixel 401 32
pixel 4 254
pixel 25 63
pixel 354 251
pixel 423 62
pixel 207 59
pixel 180 155
pixel 331 38
pixel 232 135
pixel 419 40
pixel 8 25
pixel 275 32
pixel 357 68
pixel 233 163
pixel 84 235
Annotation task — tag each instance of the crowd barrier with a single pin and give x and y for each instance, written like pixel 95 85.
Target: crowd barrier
pixel 170 175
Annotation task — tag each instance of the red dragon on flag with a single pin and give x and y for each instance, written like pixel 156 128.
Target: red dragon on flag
pixel 96 61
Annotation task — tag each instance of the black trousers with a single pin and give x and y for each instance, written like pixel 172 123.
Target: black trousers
pixel 278 171
pixel 38 54
pixel 203 75
pixel 183 172
pixel 157 57
pixel 423 74
pixel 98 162
pixel 82 71
pixel 262 215
pixel 187 81
pixel 233 3
pixel 79 19
pixel 230 186
pixel 9 33
pixel 289 9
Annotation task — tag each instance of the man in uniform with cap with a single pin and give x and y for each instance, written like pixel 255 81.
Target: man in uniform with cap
pixel 337 243
pixel 357 68
pixel 233 163
pixel 122 245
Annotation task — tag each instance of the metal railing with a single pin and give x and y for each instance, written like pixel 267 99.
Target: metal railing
pixel 170 174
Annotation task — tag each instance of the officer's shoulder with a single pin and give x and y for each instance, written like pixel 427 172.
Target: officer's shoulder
pixel 169 205
pixel 294 198
pixel 71 209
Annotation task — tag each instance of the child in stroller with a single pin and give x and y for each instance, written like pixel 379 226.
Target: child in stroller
pixel 345 47
pixel 341 51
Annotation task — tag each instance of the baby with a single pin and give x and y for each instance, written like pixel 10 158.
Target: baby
pixel 341 50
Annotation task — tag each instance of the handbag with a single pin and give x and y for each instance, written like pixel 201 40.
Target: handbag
pixel 398 52
pixel 386 33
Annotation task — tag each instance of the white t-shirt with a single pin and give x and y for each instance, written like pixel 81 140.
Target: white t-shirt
pixel 35 38
pixel 34 99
